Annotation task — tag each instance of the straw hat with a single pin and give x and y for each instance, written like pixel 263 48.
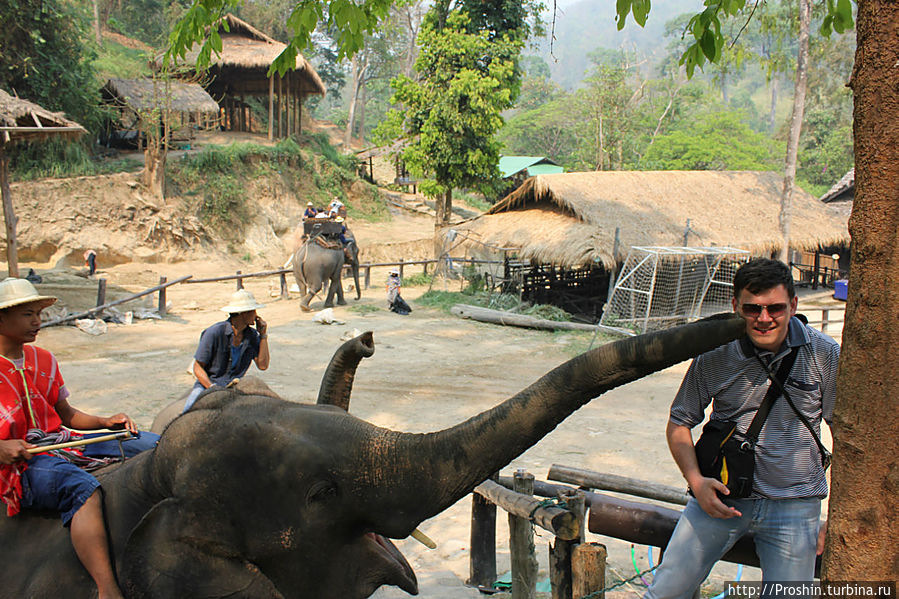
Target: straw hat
pixel 14 292
pixel 309 203
pixel 242 301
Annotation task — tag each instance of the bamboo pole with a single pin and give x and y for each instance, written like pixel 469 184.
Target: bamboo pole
pixel 619 484
pixel 81 442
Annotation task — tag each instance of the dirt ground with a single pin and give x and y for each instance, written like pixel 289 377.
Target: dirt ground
pixel 429 371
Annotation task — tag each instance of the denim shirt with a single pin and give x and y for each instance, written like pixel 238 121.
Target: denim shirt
pixel 214 351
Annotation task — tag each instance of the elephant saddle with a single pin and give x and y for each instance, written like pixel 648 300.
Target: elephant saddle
pixel 328 244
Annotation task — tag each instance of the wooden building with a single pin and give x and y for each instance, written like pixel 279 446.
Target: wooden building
pixel 189 108
pixel 241 72
pixel 571 231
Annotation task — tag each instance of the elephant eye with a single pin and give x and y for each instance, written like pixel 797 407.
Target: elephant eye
pixel 322 491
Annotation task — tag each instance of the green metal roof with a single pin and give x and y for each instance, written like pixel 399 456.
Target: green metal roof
pixel 509 165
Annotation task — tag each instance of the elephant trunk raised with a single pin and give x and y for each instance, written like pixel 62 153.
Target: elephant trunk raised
pixel 432 471
pixel 337 384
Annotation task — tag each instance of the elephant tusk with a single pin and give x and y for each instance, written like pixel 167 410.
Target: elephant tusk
pixel 423 539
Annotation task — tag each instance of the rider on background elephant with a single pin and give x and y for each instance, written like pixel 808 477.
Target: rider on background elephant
pixel 248 495
pixel 318 263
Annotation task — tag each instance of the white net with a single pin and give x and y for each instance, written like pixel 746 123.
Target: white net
pixel 662 287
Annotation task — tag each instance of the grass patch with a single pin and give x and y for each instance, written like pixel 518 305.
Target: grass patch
pixel 117 61
pixel 418 279
pixel 363 309
pixel 474 200
pixel 56 158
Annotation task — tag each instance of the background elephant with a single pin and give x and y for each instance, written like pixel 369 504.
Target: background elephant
pixel 316 266
pixel 251 496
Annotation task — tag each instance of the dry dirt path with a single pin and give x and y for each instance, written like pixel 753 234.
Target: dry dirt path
pixel 429 371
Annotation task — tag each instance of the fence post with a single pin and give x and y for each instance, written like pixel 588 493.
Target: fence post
pixel 825 314
pixel 425 264
pixel 482 558
pixel 239 281
pixel 162 302
pixel 401 269
pixel 521 544
pixel 368 276
pixel 101 292
pixel 560 552
pixel 284 293
pixel 588 570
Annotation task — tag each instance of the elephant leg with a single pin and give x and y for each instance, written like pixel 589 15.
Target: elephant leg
pixel 338 284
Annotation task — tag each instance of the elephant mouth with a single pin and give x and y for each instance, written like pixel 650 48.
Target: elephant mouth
pixel 399 572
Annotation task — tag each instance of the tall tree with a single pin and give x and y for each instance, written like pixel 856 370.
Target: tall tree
pixel 450 115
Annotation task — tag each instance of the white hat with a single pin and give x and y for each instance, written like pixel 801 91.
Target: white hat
pixel 394 271
pixel 241 301
pixel 308 203
pixel 339 219
pixel 14 292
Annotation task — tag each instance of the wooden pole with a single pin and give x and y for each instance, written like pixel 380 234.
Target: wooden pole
pixel 290 116
pixel 560 571
pixel 239 281
pixel 367 277
pixel 482 557
pixel 271 105
pixel 101 292
pixel 619 484
pixel 559 521
pixel 280 105
pixel 588 570
pixel 9 215
pixel 283 280
pixel 521 545
pixel 161 304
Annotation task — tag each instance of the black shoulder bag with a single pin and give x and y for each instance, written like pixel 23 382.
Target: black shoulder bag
pixel 723 455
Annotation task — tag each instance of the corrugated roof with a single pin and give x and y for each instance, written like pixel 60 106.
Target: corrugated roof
pixel 509 165
pixel 544 169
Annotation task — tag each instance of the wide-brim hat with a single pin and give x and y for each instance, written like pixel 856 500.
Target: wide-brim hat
pixel 14 292
pixel 242 301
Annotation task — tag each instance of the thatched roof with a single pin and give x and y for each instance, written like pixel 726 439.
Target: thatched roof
pixel 138 94
pixel 24 120
pixel 245 47
pixel 842 190
pixel 569 219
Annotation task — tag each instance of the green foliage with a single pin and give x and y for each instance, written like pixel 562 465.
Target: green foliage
pixel 145 20
pixel 363 309
pixel 45 57
pixel 58 158
pixel 117 61
pixel 451 113
pixel 713 141
pixel 418 279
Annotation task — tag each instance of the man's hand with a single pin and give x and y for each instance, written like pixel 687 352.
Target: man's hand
pixel 705 490
pixel 14 450
pixel 119 421
pixel 261 326
pixel 822 534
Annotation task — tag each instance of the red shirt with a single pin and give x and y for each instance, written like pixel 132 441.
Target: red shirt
pixel 23 408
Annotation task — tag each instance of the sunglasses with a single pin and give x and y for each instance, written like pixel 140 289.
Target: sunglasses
pixel 755 310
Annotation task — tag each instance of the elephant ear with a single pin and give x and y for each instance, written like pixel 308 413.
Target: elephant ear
pixel 169 554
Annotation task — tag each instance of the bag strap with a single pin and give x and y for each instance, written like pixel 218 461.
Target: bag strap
pixel 779 386
pixel 786 365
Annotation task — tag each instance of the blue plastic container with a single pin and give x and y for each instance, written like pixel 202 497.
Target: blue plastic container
pixel 840 289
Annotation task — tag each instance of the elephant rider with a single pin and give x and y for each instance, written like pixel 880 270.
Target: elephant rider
pixel 310 212
pixel 227 348
pixel 336 208
pixel 783 506
pixel 34 407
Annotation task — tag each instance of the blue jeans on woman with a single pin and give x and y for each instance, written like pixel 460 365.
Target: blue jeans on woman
pixel 786 534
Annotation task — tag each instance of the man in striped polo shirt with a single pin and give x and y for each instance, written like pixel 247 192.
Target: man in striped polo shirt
pixel 784 508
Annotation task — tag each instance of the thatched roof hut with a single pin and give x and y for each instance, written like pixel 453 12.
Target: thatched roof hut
pixel 843 190
pixel 570 219
pixel 139 95
pixel 21 120
pixel 241 69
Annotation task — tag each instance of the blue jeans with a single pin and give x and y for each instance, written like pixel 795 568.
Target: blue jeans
pixel 786 533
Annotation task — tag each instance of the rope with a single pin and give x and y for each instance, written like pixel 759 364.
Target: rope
pixel 617 584
pixel 38 437
pixel 547 503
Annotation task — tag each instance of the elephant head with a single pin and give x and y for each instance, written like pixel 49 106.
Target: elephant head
pixel 253 496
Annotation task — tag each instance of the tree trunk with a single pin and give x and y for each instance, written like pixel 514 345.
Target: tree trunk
pixel 772 114
pixel 444 208
pixel 9 215
pixel 97 31
pixel 153 176
pixel 354 97
pixel 361 127
pixel 786 200
pixel 861 543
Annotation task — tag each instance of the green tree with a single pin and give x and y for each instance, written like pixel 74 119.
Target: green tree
pixel 449 117
pixel 46 56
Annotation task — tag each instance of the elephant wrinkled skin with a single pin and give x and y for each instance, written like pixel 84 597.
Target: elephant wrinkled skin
pixel 315 267
pixel 248 495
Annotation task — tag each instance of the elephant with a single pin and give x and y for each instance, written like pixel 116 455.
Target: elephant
pixel 251 496
pixel 319 262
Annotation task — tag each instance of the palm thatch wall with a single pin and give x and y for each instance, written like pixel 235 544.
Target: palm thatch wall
pixel 570 219
pixel 139 95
